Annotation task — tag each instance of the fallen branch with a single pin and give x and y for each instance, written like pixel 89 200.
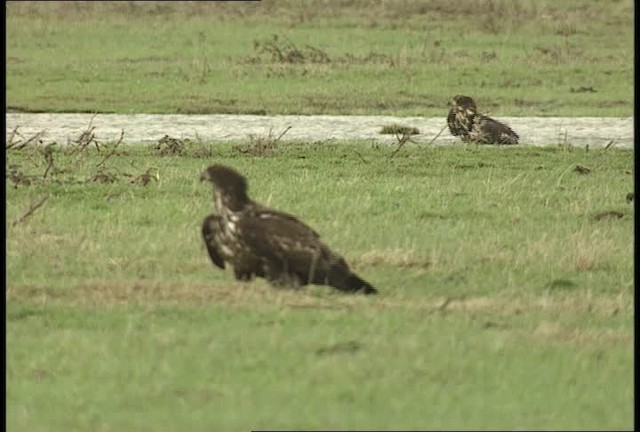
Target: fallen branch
pixel 32 209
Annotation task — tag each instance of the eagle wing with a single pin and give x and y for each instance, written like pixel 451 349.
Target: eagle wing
pixel 209 228
pixel 267 213
pixel 491 131
pixel 290 246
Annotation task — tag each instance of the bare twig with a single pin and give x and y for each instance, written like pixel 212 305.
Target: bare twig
pixel 47 152
pixel 281 135
pixel 402 140
pixel 21 144
pixel 32 209
pixel 609 144
pixel 9 142
pixel 113 150
pixel 437 135
pixel 85 139
pixel 168 146
pixel 361 157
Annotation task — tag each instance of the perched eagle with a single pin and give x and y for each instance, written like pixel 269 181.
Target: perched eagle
pixel 262 242
pixel 465 121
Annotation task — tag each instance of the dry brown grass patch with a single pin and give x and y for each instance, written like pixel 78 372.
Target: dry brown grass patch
pixel 259 294
pixel 391 257
pixel 552 332
pixel 175 293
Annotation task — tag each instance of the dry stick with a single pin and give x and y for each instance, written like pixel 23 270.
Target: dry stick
pixel 97 145
pixel 402 140
pixel 437 135
pixel 36 136
pixel 282 134
pixel 49 165
pixel 610 144
pixel 360 156
pixel 48 157
pixel 31 210
pixel 85 139
pixel 113 150
pixel 88 132
pixel 9 143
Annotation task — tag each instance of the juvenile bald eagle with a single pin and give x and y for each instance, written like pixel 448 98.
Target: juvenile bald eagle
pixel 262 242
pixel 465 121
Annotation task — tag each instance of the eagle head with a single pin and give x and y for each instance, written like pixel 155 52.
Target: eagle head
pixel 465 103
pixel 228 184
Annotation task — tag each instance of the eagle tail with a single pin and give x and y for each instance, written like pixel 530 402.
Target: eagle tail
pixel 356 283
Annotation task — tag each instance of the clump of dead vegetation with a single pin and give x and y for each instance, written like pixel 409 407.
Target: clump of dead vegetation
pixel 402 133
pixel 86 138
pixel 609 215
pixel 169 146
pixel 260 145
pixel 16 141
pixel 18 177
pixel 151 174
pixel 104 176
pixel 279 49
pixel 61 164
pixel 397 129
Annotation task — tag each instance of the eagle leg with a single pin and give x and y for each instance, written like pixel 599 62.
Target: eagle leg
pixel 242 275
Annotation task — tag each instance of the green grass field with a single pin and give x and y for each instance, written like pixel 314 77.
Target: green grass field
pixel 505 274
pixel 517 58
pixel 505 278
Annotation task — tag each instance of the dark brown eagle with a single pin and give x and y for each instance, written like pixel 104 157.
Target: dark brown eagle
pixel 262 242
pixel 465 121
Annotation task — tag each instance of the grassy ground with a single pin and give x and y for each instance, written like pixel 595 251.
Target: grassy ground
pixel 505 278
pixel 505 274
pixel 537 57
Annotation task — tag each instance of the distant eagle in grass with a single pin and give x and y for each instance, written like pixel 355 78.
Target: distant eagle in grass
pixel 465 121
pixel 262 242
